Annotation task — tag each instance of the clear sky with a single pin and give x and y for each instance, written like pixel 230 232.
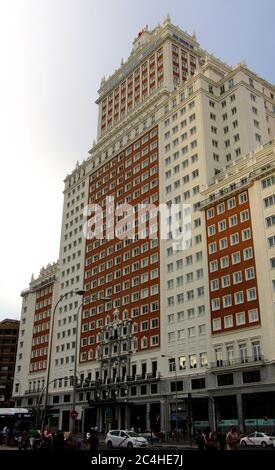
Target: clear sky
pixel 53 54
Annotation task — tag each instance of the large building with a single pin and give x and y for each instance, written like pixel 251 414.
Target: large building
pixel 170 119
pixel 8 345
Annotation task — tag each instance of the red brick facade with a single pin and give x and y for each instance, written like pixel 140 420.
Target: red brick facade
pixel 124 269
pixel 231 264
pixel 41 327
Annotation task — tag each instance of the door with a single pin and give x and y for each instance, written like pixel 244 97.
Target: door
pixel 251 439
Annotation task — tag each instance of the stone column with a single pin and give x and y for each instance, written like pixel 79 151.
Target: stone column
pixel 239 403
pixel 127 417
pixel 212 413
pixel 164 418
pixel 118 417
pixel 148 424
pixel 99 420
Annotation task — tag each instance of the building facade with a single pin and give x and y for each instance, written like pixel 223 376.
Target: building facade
pixel 8 344
pixel 170 119
pixel 240 235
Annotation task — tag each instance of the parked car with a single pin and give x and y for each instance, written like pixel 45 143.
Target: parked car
pixel 128 439
pixel 258 439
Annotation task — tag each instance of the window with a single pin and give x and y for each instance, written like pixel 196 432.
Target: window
pixel 230 353
pixel 221 208
pixel 171 337
pixel 227 301
pixel 233 220
pixel 251 294
pixel 270 181
pixel 181 334
pixel 269 201
pixel 216 323
pixel 182 362
pixel 234 239
pixel 256 350
pixel 236 257
pixel 213 266
pixel 246 234
pixel 271 241
pixel 222 225
pixel 251 376
pixel 223 243
pixel 244 215
pixel 154 341
pixel 231 203
pixel 243 352
pixel 197 384
pixel 191 332
pixel 270 221
pixel 201 330
pixel 253 315
pixel 248 253
pixel 225 281
pixel 238 297
pixel 237 277
pixel 225 380
pixel 193 361
pixel 218 356
pixel 214 285
pixel 228 321
pixel 224 262
pixel 240 318
pixel 211 230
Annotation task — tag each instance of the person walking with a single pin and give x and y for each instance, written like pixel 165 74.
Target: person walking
pixel 221 439
pixel 232 439
pixel 93 441
pixel 200 440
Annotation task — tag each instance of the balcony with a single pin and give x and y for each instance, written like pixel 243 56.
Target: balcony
pixel 148 377
pixel 238 363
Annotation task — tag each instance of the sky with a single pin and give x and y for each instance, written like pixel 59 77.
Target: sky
pixel 53 54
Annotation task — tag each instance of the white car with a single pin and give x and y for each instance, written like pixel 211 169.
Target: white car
pixel 258 439
pixel 128 439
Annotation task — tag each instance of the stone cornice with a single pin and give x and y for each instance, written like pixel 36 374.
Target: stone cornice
pixel 252 163
pixel 256 77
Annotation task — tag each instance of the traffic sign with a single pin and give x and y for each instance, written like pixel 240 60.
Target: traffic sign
pixel 74 414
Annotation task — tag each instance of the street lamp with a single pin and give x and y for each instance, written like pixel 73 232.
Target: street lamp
pixel 77 292
pixel 73 414
pixel 176 390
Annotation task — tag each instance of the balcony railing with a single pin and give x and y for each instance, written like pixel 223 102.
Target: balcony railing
pixel 237 362
pixel 144 378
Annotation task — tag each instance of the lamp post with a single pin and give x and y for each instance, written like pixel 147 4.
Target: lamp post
pixel 77 292
pixel 75 366
pixel 37 413
pixel 176 390
pixel 73 413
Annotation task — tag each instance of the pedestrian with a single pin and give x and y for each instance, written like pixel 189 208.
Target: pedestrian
pixel 232 439
pixel 199 440
pixel 210 442
pixel 221 439
pixel 93 441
